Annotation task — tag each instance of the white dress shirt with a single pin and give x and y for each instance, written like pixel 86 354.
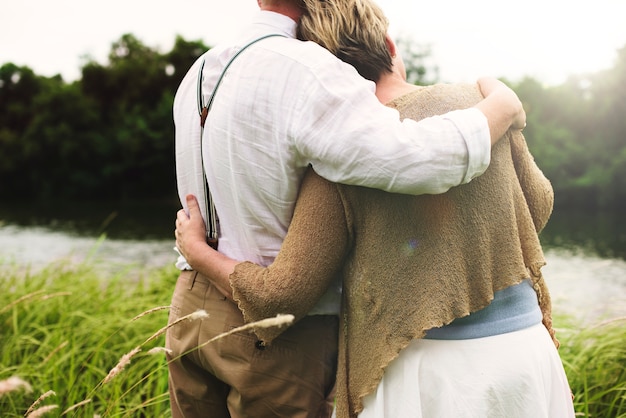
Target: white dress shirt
pixel 285 104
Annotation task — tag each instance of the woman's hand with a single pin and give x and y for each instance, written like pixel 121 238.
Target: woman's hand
pixel 506 99
pixel 190 231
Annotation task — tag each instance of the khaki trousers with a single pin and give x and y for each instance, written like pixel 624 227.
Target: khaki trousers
pixel 235 376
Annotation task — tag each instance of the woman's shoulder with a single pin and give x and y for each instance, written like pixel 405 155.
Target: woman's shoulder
pixel 437 99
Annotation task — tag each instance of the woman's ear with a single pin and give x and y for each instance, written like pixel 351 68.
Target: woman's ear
pixel 390 45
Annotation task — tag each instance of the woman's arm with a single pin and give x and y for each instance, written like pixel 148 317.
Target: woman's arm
pixel 310 258
pixel 501 106
pixel 191 242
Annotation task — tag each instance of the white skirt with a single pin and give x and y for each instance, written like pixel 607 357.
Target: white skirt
pixel 513 375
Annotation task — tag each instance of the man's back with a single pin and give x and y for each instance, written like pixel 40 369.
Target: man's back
pixel 284 104
pixel 252 146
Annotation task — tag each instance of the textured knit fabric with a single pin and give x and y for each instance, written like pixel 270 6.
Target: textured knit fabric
pixel 410 263
pixel 284 104
pixel 512 309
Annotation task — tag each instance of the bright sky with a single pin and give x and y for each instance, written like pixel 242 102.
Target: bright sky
pixel 544 39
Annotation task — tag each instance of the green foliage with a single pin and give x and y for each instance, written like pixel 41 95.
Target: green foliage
pixel 577 133
pixel 64 328
pixel 110 134
pixel 594 361
pixel 420 69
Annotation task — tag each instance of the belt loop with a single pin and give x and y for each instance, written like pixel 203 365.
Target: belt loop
pixel 192 279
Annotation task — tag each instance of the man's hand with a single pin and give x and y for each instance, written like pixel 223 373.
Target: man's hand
pixel 192 244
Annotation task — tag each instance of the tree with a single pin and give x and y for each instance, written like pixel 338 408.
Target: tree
pixel 577 132
pixel 110 135
pixel 417 59
pixel 17 86
pixel 135 95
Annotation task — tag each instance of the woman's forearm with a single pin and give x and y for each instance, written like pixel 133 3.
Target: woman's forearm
pixel 214 265
pixel 501 106
pixel 191 242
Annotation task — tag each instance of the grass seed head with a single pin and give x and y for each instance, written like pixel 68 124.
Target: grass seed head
pixel 42 411
pixel 38 401
pixel 13 384
pixel 124 361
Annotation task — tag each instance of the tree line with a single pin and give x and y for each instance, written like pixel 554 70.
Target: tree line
pixel 110 134
pixel 577 133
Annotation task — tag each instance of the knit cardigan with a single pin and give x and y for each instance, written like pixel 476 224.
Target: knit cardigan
pixel 408 263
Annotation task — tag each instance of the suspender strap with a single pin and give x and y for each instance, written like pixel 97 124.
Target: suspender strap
pixel 203 111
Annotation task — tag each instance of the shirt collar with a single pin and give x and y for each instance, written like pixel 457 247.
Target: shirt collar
pixel 275 23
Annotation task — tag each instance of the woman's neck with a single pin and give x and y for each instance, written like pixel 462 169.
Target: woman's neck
pixel 390 86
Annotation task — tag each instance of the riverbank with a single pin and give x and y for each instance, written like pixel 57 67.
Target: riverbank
pixel 584 285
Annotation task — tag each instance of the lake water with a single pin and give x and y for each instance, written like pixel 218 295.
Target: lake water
pixel 586 276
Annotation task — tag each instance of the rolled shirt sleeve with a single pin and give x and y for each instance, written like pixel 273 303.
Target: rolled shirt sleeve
pixel 350 137
pixel 474 129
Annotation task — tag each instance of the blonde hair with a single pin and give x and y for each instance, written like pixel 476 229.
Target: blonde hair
pixel 353 30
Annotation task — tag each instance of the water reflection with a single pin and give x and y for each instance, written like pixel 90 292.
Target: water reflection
pixel 126 220
pixel 600 233
pixel 586 254
pixel 586 286
pixel 37 247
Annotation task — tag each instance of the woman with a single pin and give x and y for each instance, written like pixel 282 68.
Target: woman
pixel 445 311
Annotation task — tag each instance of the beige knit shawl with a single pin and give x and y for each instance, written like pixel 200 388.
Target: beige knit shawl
pixel 411 263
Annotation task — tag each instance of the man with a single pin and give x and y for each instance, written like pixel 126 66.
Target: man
pixel 285 104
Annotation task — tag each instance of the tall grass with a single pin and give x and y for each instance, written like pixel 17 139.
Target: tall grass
pixel 595 362
pixel 64 329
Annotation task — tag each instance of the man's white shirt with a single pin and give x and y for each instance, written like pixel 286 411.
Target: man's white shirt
pixel 284 104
